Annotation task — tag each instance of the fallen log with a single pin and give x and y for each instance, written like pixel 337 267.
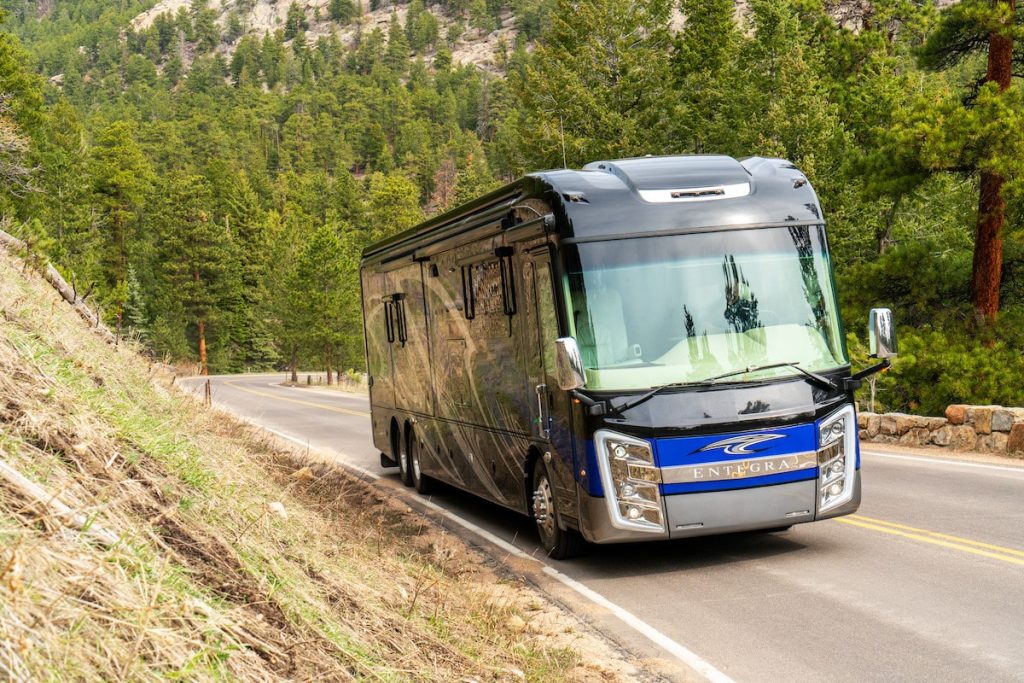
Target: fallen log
pixel 55 508
pixel 57 281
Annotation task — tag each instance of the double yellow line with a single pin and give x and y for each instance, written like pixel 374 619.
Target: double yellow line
pixel 994 552
pixel 311 404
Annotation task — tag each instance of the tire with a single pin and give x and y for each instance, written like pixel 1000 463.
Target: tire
pixel 421 482
pixel 558 543
pixel 404 464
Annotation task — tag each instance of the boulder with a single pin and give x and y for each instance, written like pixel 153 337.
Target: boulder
pixel 940 437
pixel 918 436
pixel 887 426
pixel 932 423
pixel 983 420
pixel 956 414
pixel 1015 441
pixel 991 443
pixel 874 423
pixel 904 423
pixel 962 438
pixel 1002 421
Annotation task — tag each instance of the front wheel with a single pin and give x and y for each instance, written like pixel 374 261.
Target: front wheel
pixel 560 544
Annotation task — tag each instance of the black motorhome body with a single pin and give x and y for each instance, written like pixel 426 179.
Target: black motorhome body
pixel 645 348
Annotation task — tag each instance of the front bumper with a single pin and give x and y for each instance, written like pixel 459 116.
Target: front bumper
pixel 719 512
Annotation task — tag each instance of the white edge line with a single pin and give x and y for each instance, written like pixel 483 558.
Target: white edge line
pixel 685 655
pixel 940 461
pixel 692 659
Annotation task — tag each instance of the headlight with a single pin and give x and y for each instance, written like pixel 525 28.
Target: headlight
pixel 630 479
pixel 836 458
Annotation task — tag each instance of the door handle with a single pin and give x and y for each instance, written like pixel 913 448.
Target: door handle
pixel 542 418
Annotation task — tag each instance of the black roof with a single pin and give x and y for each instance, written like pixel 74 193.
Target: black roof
pixel 632 197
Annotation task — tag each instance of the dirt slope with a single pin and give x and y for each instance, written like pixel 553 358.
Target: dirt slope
pixel 143 537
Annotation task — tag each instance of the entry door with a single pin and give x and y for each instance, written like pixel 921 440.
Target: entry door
pixel 551 425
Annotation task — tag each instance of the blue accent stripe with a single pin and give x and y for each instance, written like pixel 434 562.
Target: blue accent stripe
pixel 694 450
pixel 733 484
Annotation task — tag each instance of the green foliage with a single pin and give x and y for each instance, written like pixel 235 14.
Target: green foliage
pixel 159 149
pixel 295 22
pixel 342 11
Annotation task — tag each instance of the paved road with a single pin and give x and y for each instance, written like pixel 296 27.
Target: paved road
pixel 925 583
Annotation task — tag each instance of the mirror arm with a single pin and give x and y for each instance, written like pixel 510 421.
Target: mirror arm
pixel 593 407
pixel 855 380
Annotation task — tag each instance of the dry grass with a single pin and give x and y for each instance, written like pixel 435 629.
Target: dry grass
pixel 233 559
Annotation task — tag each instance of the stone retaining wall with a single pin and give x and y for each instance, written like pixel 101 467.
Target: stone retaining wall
pixel 983 429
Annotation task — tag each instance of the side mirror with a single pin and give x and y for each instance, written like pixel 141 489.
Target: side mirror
pixel 569 364
pixel 881 333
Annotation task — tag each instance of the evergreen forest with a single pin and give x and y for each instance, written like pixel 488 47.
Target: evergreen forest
pixel 210 184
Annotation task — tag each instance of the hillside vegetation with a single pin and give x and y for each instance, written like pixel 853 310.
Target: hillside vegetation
pixel 143 537
pixel 210 171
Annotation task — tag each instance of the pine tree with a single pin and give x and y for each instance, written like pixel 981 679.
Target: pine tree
pixel 194 255
pixel 341 11
pixel 392 205
pixel 121 180
pixel 967 29
pixel 247 224
pixel 316 295
pixel 295 21
pixel 599 81
pixel 397 57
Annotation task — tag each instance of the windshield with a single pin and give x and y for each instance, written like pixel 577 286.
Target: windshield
pixel 683 308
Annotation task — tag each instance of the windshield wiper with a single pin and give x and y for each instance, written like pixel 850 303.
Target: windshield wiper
pixel 814 378
pixel 650 394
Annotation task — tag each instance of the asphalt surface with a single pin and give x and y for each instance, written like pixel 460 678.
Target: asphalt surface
pixel 924 583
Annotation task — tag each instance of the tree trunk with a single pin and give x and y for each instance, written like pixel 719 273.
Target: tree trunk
pixel 203 370
pixel 327 360
pixel 988 247
pixel 293 366
pixel 986 273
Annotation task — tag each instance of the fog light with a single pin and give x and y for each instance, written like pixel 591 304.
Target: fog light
pixel 835 489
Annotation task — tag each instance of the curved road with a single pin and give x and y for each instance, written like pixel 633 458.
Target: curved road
pixel 924 583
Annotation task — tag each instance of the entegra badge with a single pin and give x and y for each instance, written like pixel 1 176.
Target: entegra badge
pixel 740 445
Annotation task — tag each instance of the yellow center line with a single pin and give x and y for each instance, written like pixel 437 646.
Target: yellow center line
pixel 1004 554
pixel 948 537
pixel 322 406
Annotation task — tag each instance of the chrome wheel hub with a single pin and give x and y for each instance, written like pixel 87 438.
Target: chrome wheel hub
pixel 543 508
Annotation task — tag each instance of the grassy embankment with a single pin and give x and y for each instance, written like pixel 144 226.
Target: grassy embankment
pixel 197 549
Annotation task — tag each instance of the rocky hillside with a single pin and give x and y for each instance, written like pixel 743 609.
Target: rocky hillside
pixel 469 44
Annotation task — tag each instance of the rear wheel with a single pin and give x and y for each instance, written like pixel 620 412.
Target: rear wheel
pixel 560 544
pixel 421 482
pixel 404 465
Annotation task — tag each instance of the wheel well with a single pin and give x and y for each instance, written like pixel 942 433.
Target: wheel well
pixel 532 456
pixel 408 433
pixel 395 436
